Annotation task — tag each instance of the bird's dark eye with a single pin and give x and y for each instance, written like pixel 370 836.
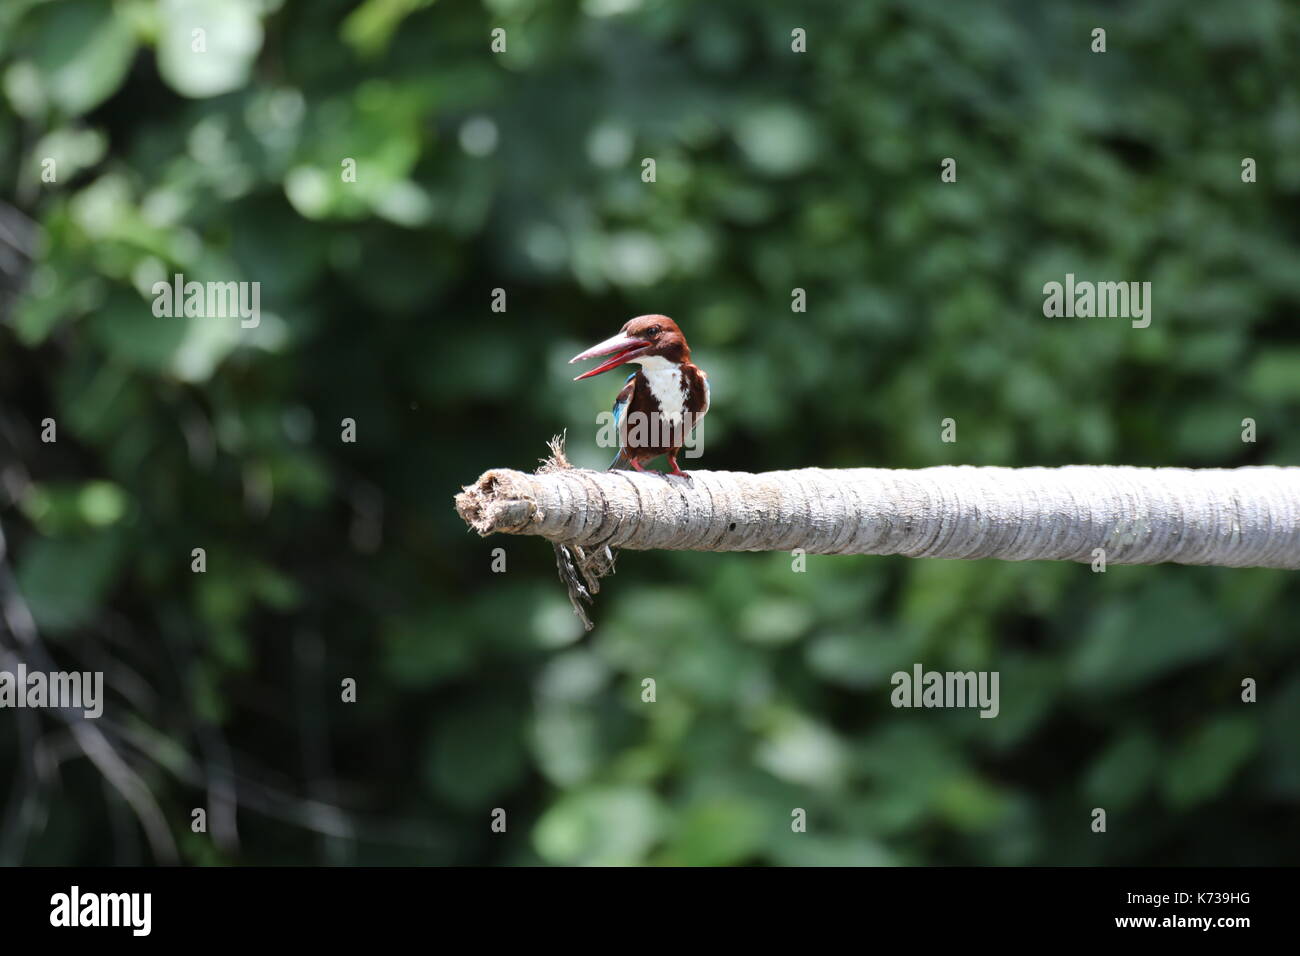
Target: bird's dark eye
pixel 654 330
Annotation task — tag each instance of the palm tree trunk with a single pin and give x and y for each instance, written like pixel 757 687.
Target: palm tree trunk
pixel 1243 517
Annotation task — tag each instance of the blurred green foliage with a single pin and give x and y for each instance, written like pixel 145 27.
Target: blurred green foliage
pixel 522 171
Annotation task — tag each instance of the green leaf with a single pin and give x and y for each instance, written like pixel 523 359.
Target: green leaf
pixel 188 348
pixel 207 47
pixel 370 26
pixel 82 52
pixel 720 832
pixel 475 754
pixel 1116 653
pixel 1275 375
pixel 61 507
pixel 608 826
pixel 1124 771
pixel 1208 759
pixel 65 579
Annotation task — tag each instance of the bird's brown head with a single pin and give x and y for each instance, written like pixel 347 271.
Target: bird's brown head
pixel 644 336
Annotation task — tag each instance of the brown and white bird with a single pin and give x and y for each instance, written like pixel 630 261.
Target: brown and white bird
pixel 660 404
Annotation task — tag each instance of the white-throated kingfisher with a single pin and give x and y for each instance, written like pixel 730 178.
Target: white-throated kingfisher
pixel 661 403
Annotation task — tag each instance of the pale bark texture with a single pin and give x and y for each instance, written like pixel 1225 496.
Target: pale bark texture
pixel 1243 517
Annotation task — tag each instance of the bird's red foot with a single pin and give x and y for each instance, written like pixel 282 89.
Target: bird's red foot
pixel 672 460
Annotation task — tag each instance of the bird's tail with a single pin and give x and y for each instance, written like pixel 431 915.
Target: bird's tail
pixel 620 462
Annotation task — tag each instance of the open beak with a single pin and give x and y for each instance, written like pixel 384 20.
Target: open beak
pixel 621 347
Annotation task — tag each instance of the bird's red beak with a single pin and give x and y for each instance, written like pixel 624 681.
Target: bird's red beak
pixel 622 347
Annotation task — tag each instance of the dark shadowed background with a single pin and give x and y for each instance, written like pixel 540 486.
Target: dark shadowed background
pixel 522 171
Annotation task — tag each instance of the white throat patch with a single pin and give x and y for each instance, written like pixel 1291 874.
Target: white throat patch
pixel 665 380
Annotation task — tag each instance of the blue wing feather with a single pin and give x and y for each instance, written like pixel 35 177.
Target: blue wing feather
pixel 621 401
pixel 620 406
